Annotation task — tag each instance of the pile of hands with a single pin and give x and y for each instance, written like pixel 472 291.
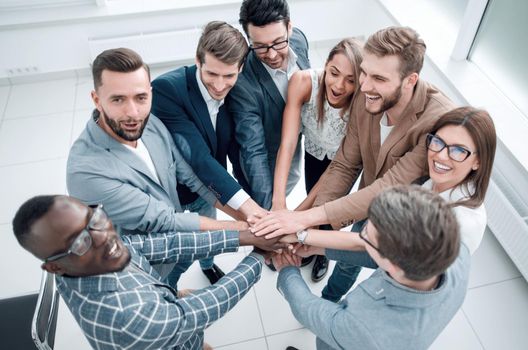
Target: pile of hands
pixel 275 238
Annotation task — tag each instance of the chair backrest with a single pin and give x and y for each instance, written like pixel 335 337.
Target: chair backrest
pixel 45 316
pixel 15 321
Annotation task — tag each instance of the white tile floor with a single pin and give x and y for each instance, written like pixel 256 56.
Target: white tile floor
pixel 38 123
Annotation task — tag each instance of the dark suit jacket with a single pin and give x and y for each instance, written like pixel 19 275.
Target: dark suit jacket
pixel 177 101
pixel 257 106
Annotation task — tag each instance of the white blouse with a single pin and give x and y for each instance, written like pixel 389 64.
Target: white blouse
pixel 321 139
pixel 472 221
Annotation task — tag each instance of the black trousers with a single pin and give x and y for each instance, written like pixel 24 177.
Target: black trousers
pixel 313 169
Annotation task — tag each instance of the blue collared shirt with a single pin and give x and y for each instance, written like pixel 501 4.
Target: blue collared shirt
pixel 134 309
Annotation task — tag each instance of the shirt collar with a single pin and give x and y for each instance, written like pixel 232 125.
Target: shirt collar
pixel 292 62
pixel 453 194
pixel 382 286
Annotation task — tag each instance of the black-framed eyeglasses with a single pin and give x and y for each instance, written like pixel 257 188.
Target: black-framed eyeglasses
pixel 363 236
pixel 263 49
pixel 83 242
pixel 455 152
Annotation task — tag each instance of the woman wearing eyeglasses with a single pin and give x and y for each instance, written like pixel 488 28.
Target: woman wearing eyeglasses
pixel 317 106
pixel 460 153
pixel 461 150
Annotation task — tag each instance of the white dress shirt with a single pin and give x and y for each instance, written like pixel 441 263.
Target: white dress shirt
pixel 385 129
pixel 281 77
pixel 142 152
pixel 213 106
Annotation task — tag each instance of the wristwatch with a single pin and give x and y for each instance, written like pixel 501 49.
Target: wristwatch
pixel 301 236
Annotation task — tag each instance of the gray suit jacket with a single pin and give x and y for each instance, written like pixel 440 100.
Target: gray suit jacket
pixel 102 170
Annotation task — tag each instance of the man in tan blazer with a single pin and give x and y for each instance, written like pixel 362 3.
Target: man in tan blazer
pixel 385 138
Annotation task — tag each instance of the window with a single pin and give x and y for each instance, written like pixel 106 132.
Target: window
pixel 501 47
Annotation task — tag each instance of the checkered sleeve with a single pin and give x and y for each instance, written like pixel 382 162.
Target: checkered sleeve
pixel 162 248
pixel 165 323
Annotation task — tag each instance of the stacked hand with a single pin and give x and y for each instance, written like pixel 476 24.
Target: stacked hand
pixel 293 255
pixel 275 224
pixel 284 259
pixel 276 231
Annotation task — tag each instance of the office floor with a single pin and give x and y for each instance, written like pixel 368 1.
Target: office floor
pixel 40 120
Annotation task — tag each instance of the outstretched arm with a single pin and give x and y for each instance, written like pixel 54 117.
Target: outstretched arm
pixel 168 322
pixel 299 91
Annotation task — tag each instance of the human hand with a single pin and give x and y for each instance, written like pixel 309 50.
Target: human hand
pixel 247 238
pixel 291 239
pixel 304 250
pixel 254 218
pixel 286 258
pixel 250 209
pixel 240 225
pixel 278 223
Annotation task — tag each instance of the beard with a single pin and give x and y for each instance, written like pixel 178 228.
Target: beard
pixel 389 101
pixel 119 131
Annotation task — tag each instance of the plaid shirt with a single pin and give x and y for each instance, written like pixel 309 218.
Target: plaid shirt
pixel 133 309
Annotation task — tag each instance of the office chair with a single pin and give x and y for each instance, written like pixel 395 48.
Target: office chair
pixel 45 316
pixel 15 322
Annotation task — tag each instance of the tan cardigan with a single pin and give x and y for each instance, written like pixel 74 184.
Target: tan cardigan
pixel 401 159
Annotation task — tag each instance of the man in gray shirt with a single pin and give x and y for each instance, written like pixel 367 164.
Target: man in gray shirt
pixel 412 237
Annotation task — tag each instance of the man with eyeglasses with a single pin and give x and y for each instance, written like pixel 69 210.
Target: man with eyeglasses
pixel 257 101
pixel 412 238
pixel 385 142
pixel 109 283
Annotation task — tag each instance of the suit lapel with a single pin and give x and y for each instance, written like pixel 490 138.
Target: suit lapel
pixel 119 150
pixel 158 155
pixel 375 141
pixel 201 117
pixel 392 139
pixel 402 126
pixel 266 81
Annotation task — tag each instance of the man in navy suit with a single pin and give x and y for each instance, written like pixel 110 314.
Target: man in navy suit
pixel 190 102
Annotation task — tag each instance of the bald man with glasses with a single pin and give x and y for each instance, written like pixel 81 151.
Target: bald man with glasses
pixel 109 283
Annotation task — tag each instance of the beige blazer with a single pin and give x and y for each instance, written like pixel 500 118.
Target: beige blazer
pixel 401 159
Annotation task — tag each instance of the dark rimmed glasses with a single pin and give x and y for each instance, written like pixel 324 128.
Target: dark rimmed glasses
pixel 455 152
pixel 263 49
pixel 83 242
pixel 363 236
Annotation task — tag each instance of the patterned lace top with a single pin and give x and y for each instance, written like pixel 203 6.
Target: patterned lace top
pixel 323 139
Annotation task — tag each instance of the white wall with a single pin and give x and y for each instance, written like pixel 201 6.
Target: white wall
pixel 61 45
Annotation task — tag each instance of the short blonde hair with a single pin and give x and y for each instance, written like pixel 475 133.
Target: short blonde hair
pixel 403 42
pixel 224 42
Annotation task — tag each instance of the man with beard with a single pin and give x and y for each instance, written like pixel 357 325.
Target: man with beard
pixel 385 138
pixel 109 285
pixel 126 159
